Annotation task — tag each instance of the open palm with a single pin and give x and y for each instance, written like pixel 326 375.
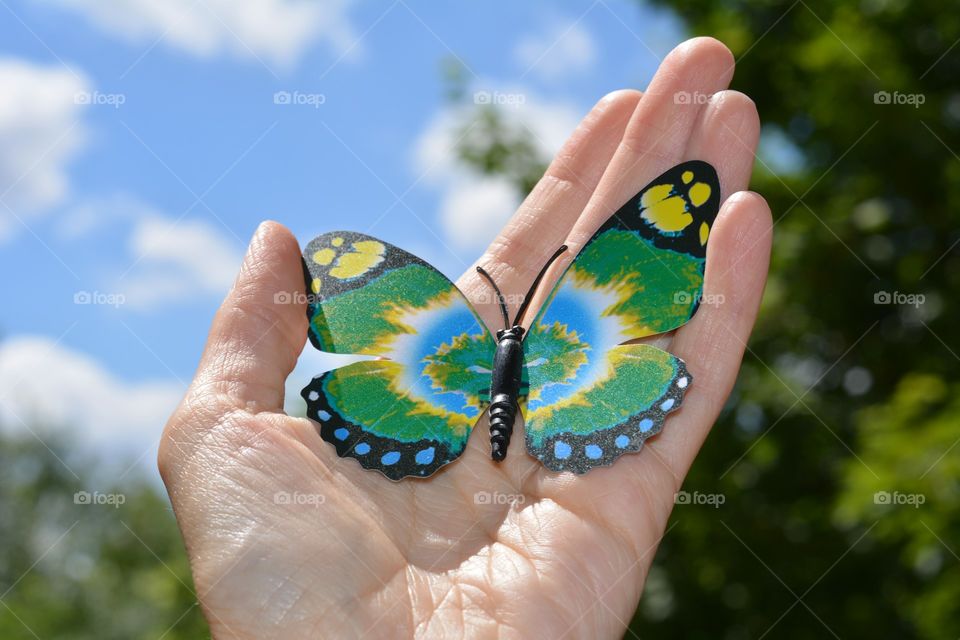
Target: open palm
pixel 287 540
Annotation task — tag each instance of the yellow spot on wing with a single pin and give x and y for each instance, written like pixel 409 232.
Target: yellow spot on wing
pixel 370 246
pixel 667 212
pixel 699 193
pixel 655 194
pixel 366 255
pixel 704 232
pixel 324 256
pixel 687 177
pixel 315 285
pixel 337 242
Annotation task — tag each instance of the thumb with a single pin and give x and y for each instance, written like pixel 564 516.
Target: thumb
pixel 260 328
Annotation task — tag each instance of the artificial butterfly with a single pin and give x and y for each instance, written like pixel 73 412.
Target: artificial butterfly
pixel 586 396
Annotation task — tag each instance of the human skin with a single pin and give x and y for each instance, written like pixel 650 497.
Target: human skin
pixel 568 555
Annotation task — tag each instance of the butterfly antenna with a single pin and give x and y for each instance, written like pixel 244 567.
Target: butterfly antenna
pixel 500 298
pixel 536 282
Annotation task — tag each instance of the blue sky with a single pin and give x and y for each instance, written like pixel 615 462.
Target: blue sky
pixel 140 147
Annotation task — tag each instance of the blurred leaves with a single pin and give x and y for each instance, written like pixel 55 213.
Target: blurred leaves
pixel 908 483
pixel 84 557
pixel 491 147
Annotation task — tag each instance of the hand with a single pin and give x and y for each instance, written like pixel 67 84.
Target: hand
pixel 352 554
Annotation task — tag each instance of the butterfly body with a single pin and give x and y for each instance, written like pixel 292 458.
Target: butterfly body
pixel 588 392
pixel 505 382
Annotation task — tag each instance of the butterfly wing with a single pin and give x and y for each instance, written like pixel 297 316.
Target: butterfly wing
pixel 590 420
pixel 409 412
pixel 591 397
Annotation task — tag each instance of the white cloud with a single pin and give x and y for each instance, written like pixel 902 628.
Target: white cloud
pixel 276 30
pixel 48 385
pixel 167 260
pixel 39 135
pixel 49 388
pixel 176 261
pixel 564 49
pixel 547 123
pixel 81 218
pixel 473 208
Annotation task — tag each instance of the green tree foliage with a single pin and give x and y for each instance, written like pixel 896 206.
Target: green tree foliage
pixel 491 146
pixel 912 438
pixel 836 458
pixel 84 557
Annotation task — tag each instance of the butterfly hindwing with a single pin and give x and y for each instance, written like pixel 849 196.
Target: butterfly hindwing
pixel 595 417
pixel 364 413
pixel 592 398
pixel 409 412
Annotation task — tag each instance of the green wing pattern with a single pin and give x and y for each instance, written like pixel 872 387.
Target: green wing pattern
pixel 591 398
pixel 410 412
pixel 601 412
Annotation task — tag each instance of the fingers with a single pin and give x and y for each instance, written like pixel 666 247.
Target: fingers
pixel 665 130
pixel 549 212
pixel 726 136
pixel 661 128
pixel 713 342
pixel 260 329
